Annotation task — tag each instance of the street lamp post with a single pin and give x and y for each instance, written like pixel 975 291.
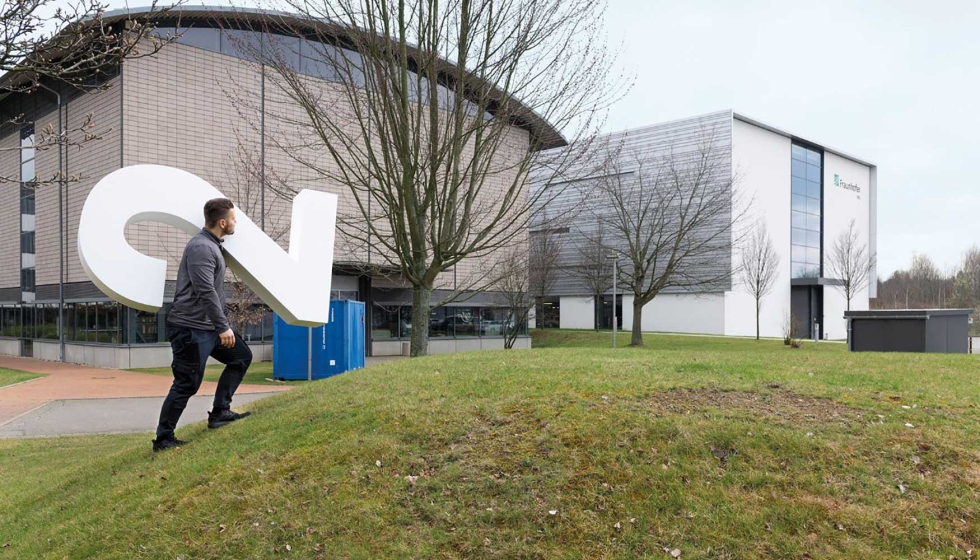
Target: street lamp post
pixel 614 257
pixel 61 230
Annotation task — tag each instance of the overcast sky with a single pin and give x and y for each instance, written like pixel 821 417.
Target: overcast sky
pixel 893 82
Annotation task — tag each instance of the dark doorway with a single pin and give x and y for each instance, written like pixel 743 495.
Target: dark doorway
pixel 548 313
pixel 806 305
pixel 604 313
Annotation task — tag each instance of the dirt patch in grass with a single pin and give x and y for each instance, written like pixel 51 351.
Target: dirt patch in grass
pixel 783 407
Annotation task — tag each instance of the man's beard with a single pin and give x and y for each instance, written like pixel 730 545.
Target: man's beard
pixel 225 231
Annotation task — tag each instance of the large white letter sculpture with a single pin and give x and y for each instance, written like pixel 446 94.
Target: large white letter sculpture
pixel 295 285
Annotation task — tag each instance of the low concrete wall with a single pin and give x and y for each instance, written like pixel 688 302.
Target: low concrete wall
pixel 159 355
pixel 578 312
pixel 448 345
pixel 261 352
pixel 126 357
pixel 46 351
pixel 387 347
pixel 9 347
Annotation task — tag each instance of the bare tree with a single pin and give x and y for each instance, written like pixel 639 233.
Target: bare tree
pixel 543 262
pixel 244 186
pixel 422 121
pixel 49 45
pixel 592 268
pixel 758 268
pixel 966 284
pixel 513 291
pixel 792 329
pixel 524 276
pixel 849 262
pixel 671 216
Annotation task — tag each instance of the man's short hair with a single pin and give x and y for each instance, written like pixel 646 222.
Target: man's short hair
pixel 216 209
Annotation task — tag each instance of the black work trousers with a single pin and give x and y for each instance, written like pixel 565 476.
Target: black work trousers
pixel 191 349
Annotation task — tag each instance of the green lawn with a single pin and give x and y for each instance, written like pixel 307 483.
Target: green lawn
pixel 259 373
pixel 718 448
pixel 12 376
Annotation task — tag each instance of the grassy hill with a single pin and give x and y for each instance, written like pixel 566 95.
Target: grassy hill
pixel 713 448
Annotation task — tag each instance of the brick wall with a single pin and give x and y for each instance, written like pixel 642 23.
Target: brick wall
pixel 199 111
pixel 177 112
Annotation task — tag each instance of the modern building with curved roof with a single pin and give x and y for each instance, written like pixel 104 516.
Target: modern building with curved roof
pixel 203 104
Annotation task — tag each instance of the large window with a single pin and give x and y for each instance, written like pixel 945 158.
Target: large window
pixel 27 279
pixel 465 320
pixel 439 324
pixel 344 295
pixel 806 237
pixel 27 242
pixel 309 57
pixel 146 327
pixel 27 171
pixel 384 322
pixel 28 175
pixel 493 321
pixel 395 321
pixel 47 321
pixel 10 321
pixel 312 58
pixel 548 313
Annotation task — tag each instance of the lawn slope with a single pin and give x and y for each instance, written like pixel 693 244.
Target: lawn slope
pixel 716 448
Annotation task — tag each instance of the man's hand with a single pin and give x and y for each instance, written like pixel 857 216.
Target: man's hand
pixel 227 339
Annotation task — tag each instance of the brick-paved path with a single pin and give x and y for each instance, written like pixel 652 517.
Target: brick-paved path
pixel 70 381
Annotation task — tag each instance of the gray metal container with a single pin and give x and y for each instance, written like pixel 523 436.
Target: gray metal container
pixel 909 330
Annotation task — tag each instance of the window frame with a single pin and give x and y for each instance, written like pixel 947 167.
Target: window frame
pixel 802 158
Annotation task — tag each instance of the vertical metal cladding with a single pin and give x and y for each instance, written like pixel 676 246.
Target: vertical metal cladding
pixel 628 150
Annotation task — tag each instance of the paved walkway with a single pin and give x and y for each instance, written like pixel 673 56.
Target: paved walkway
pixel 107 416
pixel 66 382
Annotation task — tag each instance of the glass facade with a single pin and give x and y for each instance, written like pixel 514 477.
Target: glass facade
pixel 392 322
pixel 28 181
pixel 807 209
pixel 312 58
pixel 108 322
pixel 105 322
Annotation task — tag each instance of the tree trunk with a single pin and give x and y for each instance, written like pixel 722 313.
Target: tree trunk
pixel 421 307
pixel 757 319
pixel 637 338
pixel 510 332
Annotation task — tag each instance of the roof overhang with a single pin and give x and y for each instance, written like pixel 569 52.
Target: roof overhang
pixel 543 135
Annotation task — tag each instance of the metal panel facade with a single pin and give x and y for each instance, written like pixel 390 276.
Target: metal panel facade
pixel 621 155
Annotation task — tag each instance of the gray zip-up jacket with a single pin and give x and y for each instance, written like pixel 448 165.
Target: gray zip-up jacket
pixel 199 302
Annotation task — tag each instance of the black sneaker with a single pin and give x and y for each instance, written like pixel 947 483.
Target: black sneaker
pixel 223 417
pixel 160 444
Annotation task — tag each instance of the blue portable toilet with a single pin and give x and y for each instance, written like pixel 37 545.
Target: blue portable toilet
pixel 316 353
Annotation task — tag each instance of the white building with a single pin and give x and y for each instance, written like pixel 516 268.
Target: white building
pixel 804 191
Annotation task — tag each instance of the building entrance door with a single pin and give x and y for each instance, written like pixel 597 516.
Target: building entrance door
pixel 806 305
pixel 604 314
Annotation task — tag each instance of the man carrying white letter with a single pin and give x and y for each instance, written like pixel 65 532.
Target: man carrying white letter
pixel 198 328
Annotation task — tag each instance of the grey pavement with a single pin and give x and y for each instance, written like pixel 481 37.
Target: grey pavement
pixel 107 416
